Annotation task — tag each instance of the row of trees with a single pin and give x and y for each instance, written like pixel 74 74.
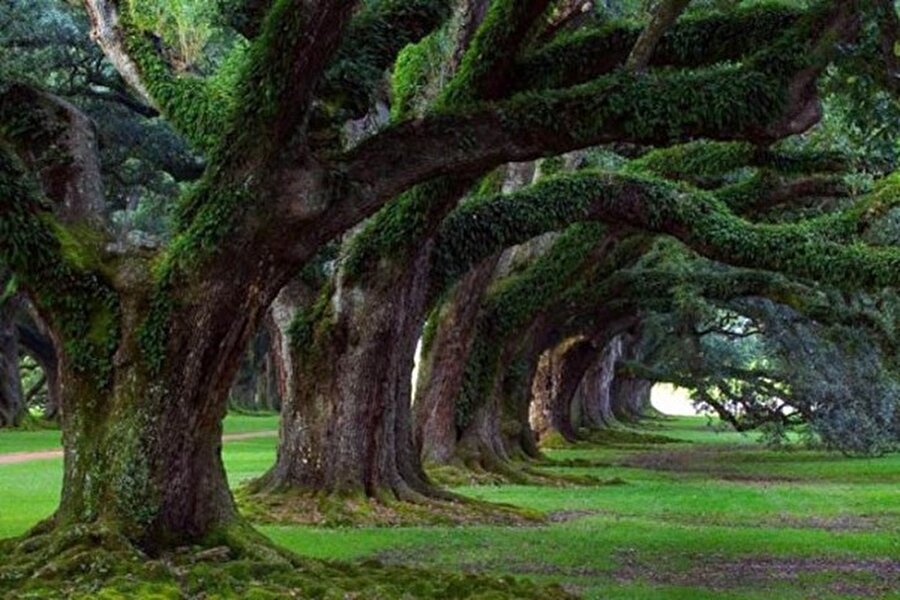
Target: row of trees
pixel 556 206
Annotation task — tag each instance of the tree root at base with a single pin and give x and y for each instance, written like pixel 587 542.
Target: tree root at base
pixel 300 506
pixel 94 561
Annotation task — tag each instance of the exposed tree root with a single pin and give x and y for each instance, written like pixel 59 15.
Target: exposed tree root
pixel 626 438
pixel 94 561
pixel 297 506
pixel 501 472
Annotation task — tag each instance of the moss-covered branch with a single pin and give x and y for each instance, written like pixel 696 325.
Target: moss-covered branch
pixel 485 67
pixel 371 44
pixel 706 163
pixel 512 303
pixel 61 269
pixel 825 248
pixel 400 228
pixel 195 106
pixel 579 56
pixel 58 143
pixel 621 108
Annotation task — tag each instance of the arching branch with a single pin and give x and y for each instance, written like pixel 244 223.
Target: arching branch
pixel 825 249
pixel 778 85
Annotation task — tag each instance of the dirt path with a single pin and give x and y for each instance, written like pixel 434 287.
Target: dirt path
pixel 15 458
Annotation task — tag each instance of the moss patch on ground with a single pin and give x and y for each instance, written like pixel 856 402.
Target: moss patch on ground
pixel 93 563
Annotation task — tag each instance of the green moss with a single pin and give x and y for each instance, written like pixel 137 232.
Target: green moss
pixel 58 267
pixel 708 163
pixel 372 43
pixel 93 562
pixel 296 506
pixel 310 327
pixel 554 440
pixel 488 224
pixel 577 56
pixel 196 106
pixel 512 303
pixel 492 50
pixel 401 227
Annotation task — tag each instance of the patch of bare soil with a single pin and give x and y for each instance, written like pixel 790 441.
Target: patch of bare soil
pixel 847 576
pixel 564 516
pixel 841 522
pixel 709 461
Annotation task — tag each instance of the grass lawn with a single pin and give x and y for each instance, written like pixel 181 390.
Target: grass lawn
pixel 49 439
pixel 711 516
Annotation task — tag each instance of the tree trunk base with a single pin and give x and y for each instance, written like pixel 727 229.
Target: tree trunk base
pixel 84 559
pixel 296 506
pixel 93 560
pixel 485 467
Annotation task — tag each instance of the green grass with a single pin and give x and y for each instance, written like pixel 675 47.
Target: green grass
pixel 30 491
pixel 689 521
pixel 49 439
pixel 29 441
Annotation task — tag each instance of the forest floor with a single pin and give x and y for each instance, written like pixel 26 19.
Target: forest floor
pixel 712 515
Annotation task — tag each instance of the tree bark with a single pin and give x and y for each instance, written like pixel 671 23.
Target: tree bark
pixel 630 397
pixel 559 372
pixel 346 422
pixel 12 398
pixel 498 431
pixel 596 386
pixel 143 454
pixel 443 365
pixel 664 16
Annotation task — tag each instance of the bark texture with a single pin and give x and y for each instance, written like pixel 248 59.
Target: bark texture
pixel 443 364
pixel 594 390
pixel 630 397
pixel 664 16
pixel 560 371
pixel 12 398
pixel 346 425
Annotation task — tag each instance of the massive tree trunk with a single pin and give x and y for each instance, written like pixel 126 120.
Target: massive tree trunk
pixel 497 430
pixel 143 451
pixel 346 424
pixel 560 371
pixel 443 364
pixel 12 398
pixel 595 388
pixel 630 397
